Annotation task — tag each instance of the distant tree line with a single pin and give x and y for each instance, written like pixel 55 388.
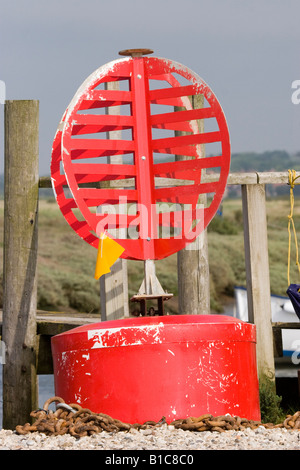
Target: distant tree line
pixel 276 160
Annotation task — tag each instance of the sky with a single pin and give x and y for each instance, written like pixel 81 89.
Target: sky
pixel 248 52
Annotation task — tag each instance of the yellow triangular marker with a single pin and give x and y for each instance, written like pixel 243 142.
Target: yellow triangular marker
pixel 108 253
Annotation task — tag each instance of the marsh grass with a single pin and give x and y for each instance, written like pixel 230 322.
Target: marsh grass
pixel 66 263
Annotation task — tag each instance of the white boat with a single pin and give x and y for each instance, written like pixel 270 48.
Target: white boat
pixel 282 311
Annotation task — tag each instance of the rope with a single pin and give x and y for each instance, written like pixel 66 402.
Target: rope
pixel 292 179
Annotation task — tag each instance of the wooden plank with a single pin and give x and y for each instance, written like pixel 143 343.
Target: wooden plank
pixel 192 261
pixel 280 177
pixel 277 342
pixel 233 179
pixel 242 178
pixel 54 323
pixel 114 292
pixel 288 326
pixel 257 276
pixel 20 258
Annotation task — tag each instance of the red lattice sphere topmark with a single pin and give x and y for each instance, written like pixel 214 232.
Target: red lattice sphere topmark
pixel 131 157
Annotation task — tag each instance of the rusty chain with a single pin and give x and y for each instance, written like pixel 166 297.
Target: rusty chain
pixel 77 421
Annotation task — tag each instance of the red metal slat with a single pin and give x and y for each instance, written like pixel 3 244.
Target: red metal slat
pixel 105 98
pixel 87 153
pixel 97 178
pixel 107 193
pixel 59 179
pixel 188 115
pixel 186 151
pixel 184 168
pixel 104 119
pixel 174 92
pixel 173 142
pixel 111 95
pixel 99 144
pixel 163 194
pixel 92 203
pixel 89 123
pixel 109 169
pixel 172 102
pixel 174 126
pixel 116 220
pixel 161 77
pixel 66 205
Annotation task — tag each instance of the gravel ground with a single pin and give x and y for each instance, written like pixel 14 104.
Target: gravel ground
pixel 165 437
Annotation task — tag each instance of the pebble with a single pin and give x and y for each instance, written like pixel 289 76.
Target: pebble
pixel 160 438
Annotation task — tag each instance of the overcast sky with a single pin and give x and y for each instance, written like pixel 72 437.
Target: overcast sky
pixel 248 52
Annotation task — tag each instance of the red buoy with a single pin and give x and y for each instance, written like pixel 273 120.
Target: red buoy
pixel 155 100
pixel 140 369
pixel 144 368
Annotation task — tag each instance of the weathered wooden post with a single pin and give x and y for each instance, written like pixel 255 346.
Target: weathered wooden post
pixel 192 261
pixel 114 285
pixel 20 257
pixel 258 278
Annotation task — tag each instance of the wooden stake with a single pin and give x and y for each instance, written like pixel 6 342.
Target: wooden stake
pixel 192 261
pixel 257 275
pixel 20 394
pixel 114 285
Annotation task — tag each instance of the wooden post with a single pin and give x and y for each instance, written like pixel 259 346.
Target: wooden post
pixel 114 285
pixel 257 275
pixel 192 261
pixel 20 392
pixel 193 278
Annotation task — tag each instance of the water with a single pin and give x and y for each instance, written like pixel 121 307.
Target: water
pixel 46 390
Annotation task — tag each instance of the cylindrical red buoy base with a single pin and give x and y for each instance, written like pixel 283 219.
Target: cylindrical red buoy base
pixel 177 366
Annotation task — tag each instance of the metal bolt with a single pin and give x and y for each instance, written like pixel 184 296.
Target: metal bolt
pixel 136 52
pixel 143 157
pixel 148 239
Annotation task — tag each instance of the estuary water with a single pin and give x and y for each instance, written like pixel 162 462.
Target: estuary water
pixel 46 390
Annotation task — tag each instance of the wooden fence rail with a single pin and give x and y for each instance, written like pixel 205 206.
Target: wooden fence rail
pixel 26 332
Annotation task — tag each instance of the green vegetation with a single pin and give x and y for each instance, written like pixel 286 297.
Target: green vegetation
pixel 270 409
pixel 66 263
